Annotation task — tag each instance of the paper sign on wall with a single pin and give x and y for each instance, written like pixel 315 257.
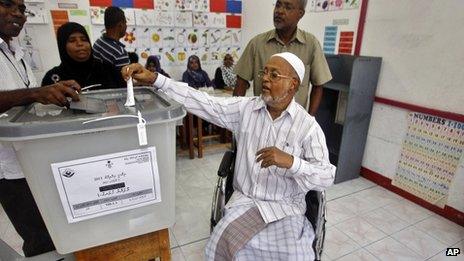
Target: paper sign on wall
pixel 143 37
pixel 217 20
pixel 330 39
pixel 345 46
pixel 201 5
pixel 164 18
pixel 59 17
pixel 79 16
pixel 164 5
pixel 144 17
pixel 97 15
pixel 432 150
pixel 200 20
pixel 36 13
pixel 184 5
pixel 181 36
pixel 183 19
pixel 193 38
pixel 332 5
pixel 169 37
pixel 130 40
pixel 156 37
pixel 215 36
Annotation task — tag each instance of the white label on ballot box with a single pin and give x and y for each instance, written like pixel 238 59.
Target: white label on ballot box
pixel 106 184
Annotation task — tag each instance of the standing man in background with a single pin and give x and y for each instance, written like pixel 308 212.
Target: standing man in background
pixel 108 48
pixel 18 87
pixel 286 37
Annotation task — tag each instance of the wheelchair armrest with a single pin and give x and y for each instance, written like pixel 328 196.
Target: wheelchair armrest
pixel 226 164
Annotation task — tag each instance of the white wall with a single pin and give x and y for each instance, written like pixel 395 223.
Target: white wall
pixel 421 46
pixel 257 18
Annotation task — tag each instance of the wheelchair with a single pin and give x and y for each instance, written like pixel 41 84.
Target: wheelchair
pixel 315 202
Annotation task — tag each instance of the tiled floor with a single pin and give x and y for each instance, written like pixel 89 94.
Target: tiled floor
pixel 365 221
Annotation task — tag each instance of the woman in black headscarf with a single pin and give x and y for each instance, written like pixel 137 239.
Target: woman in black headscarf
pixel 77 62
pixel 194 76
pixel 153 65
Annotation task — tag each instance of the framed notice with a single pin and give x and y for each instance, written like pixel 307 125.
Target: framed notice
pixel 106 184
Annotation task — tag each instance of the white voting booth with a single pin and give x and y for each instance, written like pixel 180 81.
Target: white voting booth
pixel 92 180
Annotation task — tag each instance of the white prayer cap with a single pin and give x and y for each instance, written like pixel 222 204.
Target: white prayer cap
pixel 295 62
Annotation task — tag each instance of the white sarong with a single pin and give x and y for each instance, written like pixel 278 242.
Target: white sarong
pixel 241 236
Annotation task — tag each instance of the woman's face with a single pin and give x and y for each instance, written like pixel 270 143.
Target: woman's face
pixel 228 60
pixel 78 48
pixel 193 64
pixel 151 67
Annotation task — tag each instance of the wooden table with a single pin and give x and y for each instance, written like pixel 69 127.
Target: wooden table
pixel 198 141
pixel 151 246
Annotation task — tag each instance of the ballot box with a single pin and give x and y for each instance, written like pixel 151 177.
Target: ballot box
pixel 94 180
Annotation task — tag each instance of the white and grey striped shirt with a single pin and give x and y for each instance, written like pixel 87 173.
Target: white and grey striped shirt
pixel 16 74
pixel 277 192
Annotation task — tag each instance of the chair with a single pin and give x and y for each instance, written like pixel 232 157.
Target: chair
pixel 315 202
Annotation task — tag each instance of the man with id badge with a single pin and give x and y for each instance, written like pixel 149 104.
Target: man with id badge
pixel 18 86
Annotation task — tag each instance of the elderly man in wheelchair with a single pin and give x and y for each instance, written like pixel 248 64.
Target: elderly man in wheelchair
pixel 281 156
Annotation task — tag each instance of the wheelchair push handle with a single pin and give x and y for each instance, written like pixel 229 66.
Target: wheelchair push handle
pixel 226 165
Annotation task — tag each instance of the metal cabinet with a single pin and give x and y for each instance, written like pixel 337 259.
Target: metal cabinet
pixel 345 110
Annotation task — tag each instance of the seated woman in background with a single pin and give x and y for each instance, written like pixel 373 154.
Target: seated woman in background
pixel 225 78
pixel 77 62
pixel 153 65
pixel 194 76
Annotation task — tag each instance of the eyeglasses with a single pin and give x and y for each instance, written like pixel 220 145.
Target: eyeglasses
pixel 273 75
pixel 12 7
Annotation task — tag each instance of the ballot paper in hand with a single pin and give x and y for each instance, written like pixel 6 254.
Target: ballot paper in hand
pixel 130 101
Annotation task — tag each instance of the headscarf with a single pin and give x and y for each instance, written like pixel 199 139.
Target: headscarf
pixel 154 59
pixel 78 71
pixel 228 75
pixel 198 76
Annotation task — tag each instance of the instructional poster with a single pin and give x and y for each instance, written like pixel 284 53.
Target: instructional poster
pixel 330 39
pixel 36 13
pixel 431 152
pixel 334 23
pixel 179 28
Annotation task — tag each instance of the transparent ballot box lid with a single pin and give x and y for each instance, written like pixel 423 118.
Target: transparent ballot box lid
pixel 38 120
pixel 95 183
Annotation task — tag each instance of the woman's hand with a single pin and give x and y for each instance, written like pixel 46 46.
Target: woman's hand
pixel 139 74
